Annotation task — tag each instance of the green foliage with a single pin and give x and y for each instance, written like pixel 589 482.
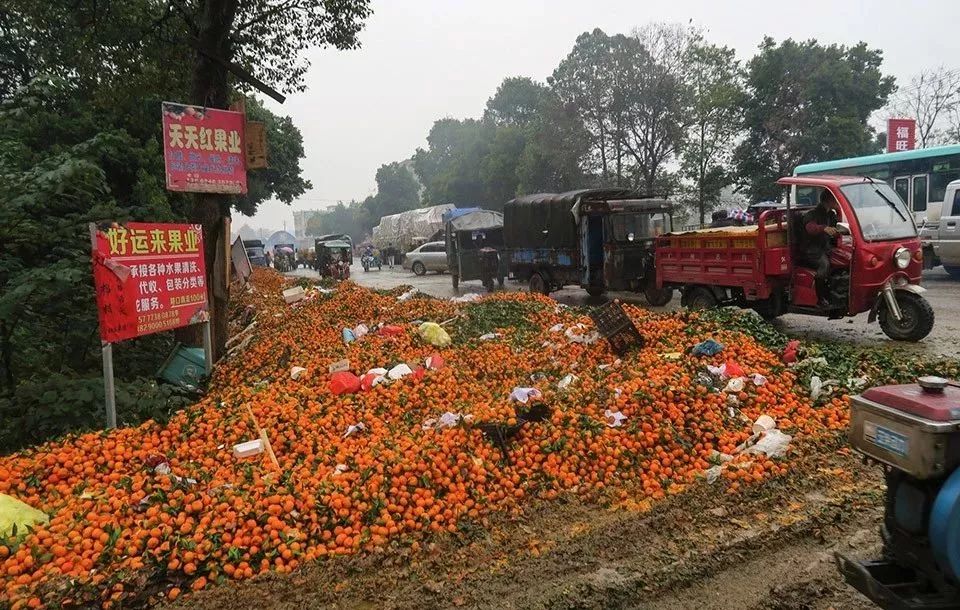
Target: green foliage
pixel 57 404
pixel 808 102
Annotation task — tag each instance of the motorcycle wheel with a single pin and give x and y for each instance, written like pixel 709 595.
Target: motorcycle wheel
pixel 916 319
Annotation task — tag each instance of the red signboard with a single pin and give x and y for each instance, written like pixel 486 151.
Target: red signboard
pixel 149 277
pixel 901 134
pixel 203 149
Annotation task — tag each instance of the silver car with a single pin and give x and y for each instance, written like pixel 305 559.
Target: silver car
pixel 431 256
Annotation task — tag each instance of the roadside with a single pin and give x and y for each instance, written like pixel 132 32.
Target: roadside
pixel 769 547
pixel 943 292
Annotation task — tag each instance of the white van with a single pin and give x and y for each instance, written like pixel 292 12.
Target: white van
pixel 940 232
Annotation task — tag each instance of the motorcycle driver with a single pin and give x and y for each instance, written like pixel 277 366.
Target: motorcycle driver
pixel 819 225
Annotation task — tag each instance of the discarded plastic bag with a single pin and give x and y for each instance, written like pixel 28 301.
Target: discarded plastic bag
pixel 556 328
pixel 434 362
pixel 360 330
pixel 567 381
pixel 434 334
pixel 732 369
pixel 758 379
pixel 789 355
pixel 15 515
pixel 615 419
pixel 348 336
pixel 581 337
pixel 707 348
pixel 399 372
pixel 447 420
pixel 818 387
pixel 344 382
pixel 406 296
pixel 369 381
pixel 354 428
pixel 296 372
pixel 774 444
pixel 488 336
pixel 391 330
pixel 525 395
pixel 470 297
pixel 735 385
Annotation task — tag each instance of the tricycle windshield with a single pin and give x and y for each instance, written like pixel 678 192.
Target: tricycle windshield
pixel 644 225
pixel 881 212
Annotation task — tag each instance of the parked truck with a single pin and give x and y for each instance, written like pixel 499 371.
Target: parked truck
pixel 598 239
pixel 940 232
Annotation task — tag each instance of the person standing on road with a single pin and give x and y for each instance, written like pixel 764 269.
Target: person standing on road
pixel 819 225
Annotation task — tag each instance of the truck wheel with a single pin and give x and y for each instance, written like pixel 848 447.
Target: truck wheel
pixel 419 268
pixel 596 291
pixel 952 271
pixel 538 284
pixel 658 297
pixel 455 280
pixel 916 320
pixel 699 297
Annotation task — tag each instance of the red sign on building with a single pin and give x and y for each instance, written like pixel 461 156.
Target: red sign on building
pixel 901 134
pixel 203 149
pixel 149 277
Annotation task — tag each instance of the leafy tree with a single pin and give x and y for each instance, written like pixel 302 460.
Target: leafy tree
pixel 450 167
pixel 716 88
pixel 590 82
pixel 806 102
pixel 518 102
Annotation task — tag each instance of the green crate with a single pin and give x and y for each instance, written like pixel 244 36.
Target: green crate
pixel 185 367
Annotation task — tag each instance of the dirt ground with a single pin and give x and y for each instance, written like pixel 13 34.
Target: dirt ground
pixel 943 293
pixel 769 547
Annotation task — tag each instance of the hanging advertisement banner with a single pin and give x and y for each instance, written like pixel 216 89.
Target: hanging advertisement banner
pixel 204 149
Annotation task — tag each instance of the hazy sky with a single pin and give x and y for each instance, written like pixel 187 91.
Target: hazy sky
pixel 422 60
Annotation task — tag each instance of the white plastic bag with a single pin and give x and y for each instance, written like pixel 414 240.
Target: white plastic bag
pixel 567 381
pixel 470 297
pixel 400 371
pixel 735 385
pixel 296 372
pixel 360 330
pixel 615 419
pixel 406 296
pixel 525 395
pixel 581 337
pixel 352 428
pixel 774 444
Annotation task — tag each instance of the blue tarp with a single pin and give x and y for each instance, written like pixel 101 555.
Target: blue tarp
pixel 457 213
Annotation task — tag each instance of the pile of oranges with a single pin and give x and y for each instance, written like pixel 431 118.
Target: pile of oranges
pixel 170 507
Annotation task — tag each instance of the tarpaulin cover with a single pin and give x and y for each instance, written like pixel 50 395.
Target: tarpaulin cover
pixel 545 220
pixel 456 213
pixel 477 220
pixel 403 229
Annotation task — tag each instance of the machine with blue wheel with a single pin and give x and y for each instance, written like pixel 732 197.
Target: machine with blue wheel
pixel 913 431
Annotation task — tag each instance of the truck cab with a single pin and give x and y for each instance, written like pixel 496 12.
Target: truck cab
pixel 940 232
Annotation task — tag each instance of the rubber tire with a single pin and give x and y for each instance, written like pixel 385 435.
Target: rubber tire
pixel 596 291
pixel 952 271
pixel 455 280
pixel 419 268
pixel 658 297
pixel 699 297
pixel 912 306
pixel 538 284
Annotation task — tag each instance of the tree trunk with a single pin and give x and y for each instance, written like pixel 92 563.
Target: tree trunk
pixel 211 89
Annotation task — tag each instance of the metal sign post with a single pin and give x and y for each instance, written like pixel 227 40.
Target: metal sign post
pixel 108 391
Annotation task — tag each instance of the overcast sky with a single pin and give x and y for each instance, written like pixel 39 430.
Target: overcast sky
pixel 422 60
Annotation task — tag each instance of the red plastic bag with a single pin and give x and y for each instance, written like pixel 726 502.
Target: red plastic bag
pixel 344 382
pixel 434 362
pixel 733 370
pixel 367 381
pixel 790 352
pixel 391 330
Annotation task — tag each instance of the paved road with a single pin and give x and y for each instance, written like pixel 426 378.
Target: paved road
pixel 942 292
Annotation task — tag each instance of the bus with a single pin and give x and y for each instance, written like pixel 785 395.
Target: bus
pixel 919 176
